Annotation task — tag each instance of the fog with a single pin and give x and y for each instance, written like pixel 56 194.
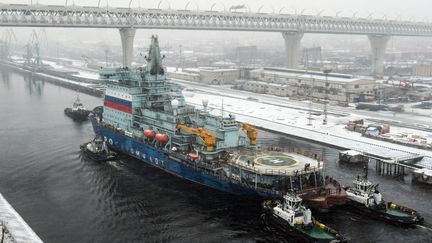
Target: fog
pixel 416 10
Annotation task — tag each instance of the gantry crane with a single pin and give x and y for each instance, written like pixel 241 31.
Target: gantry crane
pixel 7 40
pixel 208 138
pixel 250 131
pixel 34 44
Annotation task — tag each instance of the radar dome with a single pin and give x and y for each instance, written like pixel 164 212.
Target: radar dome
pixel 174 103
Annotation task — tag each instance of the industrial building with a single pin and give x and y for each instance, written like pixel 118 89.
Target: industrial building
pixel 207 75
pixel 423 70
pixel 300 83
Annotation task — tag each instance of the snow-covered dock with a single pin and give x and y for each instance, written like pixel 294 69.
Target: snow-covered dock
pixel 294 122
pixel 16 229
pixel 85 87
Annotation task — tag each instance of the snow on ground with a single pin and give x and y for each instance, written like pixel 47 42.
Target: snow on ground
pixel 82 73
pixel 54 65
pixel 17 227
pixel 87 75
pixel 66 80
pixel 295 122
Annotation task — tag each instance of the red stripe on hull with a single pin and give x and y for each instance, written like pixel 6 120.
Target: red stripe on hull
pixel 118 107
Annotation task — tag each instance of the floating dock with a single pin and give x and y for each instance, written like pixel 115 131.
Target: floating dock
pixel 13 229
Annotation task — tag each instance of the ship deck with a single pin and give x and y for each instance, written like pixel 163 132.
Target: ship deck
pixel 268 162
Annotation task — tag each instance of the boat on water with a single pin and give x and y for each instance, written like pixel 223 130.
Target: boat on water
pixel 296 220
pixel 365 197
pixel 77 112
pixel 352 156
pixel 97 150
pixel 145 116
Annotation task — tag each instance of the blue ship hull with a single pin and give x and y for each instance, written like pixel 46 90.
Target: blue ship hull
pixel 159 158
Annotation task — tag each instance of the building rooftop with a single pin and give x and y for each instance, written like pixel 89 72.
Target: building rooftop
pixel 185 73
pixel 220 70
pixel 296 73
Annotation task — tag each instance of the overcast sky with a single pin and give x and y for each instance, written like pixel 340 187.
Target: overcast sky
pixel 420 9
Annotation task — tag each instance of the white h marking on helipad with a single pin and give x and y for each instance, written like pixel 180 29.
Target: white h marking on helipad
pixel 276 161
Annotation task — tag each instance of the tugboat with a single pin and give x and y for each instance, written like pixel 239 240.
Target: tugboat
pixel 294 219
pixel 365 197
pixel 78 112
pixel 97 150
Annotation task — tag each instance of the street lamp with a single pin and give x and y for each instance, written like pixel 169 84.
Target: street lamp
pixel 326 72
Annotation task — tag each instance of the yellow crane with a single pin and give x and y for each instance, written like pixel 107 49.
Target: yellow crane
pixel 250 131
pixel 208 138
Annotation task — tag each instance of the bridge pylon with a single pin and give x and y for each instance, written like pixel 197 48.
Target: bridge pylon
pixel 292 48
pixel 379 46
pixel 127 38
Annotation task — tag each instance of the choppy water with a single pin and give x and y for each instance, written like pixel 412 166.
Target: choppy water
pixel 66 198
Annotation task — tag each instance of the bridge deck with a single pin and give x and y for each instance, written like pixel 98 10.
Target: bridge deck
pixel 95 17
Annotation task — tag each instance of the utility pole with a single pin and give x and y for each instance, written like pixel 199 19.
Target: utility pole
pixel 181 57
pixel 106 57
pixel 310 97
pixel 58 51
pixel 326 72
pixel 310 103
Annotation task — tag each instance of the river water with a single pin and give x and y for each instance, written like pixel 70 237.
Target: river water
pixel 66 198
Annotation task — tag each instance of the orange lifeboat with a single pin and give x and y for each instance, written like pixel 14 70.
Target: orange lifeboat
pixel 193 156
pixel 163 138
pixel 149 133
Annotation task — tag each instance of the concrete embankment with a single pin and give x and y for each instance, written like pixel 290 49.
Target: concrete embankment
pixel 13 228
pixel 70 83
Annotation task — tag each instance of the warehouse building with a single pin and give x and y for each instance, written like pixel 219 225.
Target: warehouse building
pixel 207 75
pixel 300 83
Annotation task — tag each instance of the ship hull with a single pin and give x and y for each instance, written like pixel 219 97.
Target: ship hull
pixel 404 220
pixel 294 234
pixel 77 115
pixel 161 160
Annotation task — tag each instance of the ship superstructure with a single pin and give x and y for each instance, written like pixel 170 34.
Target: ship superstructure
pixel 146 116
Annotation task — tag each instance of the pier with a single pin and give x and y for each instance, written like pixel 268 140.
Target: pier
pixel 75 83
pixel 397 167
pixel 12 226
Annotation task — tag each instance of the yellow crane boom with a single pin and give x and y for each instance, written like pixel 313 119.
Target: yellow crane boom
pixel 250 131
pixel 208 138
